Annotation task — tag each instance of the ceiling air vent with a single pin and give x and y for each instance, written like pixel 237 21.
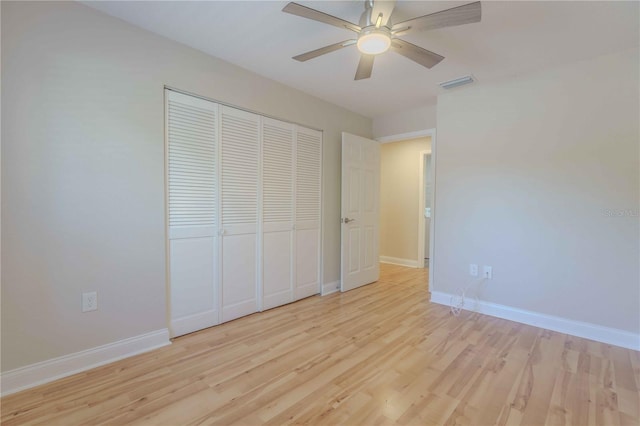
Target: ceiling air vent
pixel 457 82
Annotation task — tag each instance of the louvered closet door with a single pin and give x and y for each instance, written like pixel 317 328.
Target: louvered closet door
pixel 191 128
pixel 308 205
pixel 240 147
pixel 277 212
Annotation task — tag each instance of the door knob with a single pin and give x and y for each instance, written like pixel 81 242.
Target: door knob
pixel 347 220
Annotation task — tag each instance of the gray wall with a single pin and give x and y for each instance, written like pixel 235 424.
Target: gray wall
pixel 406 121
pixel 538 177
pixel 83 171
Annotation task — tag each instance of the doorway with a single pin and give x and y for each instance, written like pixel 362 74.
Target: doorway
pixel 407 209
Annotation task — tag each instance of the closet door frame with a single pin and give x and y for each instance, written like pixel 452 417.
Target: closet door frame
pixel 219 227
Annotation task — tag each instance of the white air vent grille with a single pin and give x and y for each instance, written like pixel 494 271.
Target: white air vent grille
pixel 467 79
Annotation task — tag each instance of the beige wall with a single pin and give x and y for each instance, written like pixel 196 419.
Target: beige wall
pixel 399 192
pixel 538 176
pixel 83 171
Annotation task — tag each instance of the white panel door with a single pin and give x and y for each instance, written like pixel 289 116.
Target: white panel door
pixel 240 153
pixel 308 208
pixel 191 135
pixel 360 211
pixel 277 212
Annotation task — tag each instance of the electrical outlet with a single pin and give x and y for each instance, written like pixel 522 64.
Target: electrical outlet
pixel 487 272
pixel 473 269
pixel 89 301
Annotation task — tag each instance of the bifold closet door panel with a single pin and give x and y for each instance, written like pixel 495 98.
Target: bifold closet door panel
pixel 308 208
pixel 307 264
pixel 277 212
pixel 193 292
pixel 238 276
pixel 277 269
pixel 240 149
pixel 191 134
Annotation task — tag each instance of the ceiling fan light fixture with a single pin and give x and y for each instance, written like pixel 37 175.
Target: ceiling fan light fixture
pixel 374 41
pixel 377 33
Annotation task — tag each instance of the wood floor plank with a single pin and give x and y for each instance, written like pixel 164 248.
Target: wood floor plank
pixel 378 355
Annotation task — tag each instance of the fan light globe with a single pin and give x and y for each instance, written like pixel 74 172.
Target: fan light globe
pixel 374 42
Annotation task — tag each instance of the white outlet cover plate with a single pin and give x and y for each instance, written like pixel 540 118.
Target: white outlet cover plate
pixel 89 301
pixel 473 269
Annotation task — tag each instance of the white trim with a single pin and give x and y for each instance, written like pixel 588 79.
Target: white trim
pixel 406 136
pixel 412 263
pixel 57 368
pixel 432 223
pixel 167 231
pixel 421 207
pixel 322 198
pixel 612 336
pixel 331 287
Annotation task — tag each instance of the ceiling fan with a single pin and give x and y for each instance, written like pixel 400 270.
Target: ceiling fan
pixel 376 33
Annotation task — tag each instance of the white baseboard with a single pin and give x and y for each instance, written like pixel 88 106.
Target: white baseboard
pixel 398 261
pixel 57 368
pixel 612 336
pixel 331 287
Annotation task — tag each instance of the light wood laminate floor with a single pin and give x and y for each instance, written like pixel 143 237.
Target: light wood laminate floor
pixel 381 354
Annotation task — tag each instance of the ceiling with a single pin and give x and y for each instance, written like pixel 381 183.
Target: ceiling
pixel 512 38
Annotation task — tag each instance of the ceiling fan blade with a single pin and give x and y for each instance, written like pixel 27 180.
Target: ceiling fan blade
pixel 307 12
pixel 365 66
pixel 460 15
pixel 384 7
pixel 416 53
pixel 323 50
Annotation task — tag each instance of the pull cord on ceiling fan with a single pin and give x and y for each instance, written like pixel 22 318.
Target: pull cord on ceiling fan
pixel 378 34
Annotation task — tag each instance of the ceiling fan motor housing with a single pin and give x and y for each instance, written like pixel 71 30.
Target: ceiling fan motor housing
pixel 373 38
pixel 373 41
